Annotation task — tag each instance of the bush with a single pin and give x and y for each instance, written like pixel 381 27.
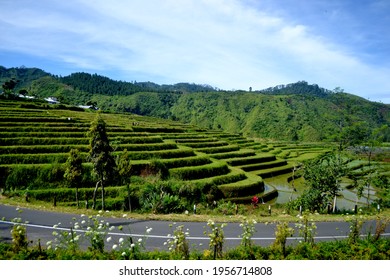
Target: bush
pixel 33 177
pixel 251 160
pixel 242 188
pixel 223 149
pixel 42 149
pixel 198 172
pixel 43 141
pixel 189 161
pixel 34 158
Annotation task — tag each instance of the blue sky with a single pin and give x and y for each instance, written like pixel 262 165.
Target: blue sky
pixel 229 44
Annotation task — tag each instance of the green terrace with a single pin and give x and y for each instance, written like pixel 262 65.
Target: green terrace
pixel 35 143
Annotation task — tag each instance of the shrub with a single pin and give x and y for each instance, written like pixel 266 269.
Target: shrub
pixel 198 172
pixel 251 160
pixel 223 149
pixel 217 237
pixel 178 244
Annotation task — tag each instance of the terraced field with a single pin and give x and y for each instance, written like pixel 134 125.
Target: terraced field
pixel 36 139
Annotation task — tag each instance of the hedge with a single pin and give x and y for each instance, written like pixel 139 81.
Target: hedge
pixel 37 119
pixel 231 177
pixel 205 144
pixel 195 140
pixel 267 173
pixel 234 154
pixel 43 141
pixel 28 129
pixel 242 188
pixel 265 165
pixel 137 140
pixel 251 160
pixel 216 150
pixel 199 172
pixel 161 154
pixel 147 147
pixel 35 158
pixel 157 129
pixel 183 136
pixel 41 149
pixel 69 194
pixel 45 124
pixel 42 134
pixel 189 161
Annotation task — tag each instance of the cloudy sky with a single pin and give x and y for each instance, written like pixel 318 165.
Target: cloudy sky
pixel 229 44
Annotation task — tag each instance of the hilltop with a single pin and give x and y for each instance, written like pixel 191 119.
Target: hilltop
pixel 294 112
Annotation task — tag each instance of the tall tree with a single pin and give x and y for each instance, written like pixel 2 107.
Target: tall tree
pixel 9 86
pixel 323 176
pixel 74 171
pixel 100 155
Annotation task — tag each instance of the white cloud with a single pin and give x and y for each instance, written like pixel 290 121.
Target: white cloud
pixel 220 42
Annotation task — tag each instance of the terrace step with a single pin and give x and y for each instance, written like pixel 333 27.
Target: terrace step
pixel 265 165
pixel 249 186
pixel 200 172
pixel 275 171
pixel 260 158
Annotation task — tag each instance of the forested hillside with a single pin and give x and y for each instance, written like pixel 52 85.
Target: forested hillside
pixel 294 112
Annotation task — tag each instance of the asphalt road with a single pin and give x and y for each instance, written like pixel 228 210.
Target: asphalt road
pixel 40 227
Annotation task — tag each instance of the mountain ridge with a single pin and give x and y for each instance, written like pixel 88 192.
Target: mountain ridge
pixel 294 112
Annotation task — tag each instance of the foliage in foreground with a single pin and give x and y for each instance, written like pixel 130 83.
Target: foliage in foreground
pixel 70 243
pixel 363 249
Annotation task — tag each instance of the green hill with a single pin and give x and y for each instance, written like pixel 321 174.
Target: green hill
pixel 294 112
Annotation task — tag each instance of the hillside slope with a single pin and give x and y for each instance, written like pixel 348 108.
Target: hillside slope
pixel 295 112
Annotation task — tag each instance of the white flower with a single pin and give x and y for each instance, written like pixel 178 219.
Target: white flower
pixel 149 230
pixel 109 239
pixel 140 240
pixel 124 254
pixel 83 222
pixel 111 228
pixel 132 245
pixel 121 240
pixel 114 246
pixel 124 215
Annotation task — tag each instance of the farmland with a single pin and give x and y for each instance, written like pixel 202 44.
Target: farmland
pixel 199 165
pixel 36 139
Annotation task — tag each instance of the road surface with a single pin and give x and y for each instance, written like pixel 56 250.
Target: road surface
pixel 40 227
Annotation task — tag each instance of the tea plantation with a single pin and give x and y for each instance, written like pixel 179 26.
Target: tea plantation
pixel 36 138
